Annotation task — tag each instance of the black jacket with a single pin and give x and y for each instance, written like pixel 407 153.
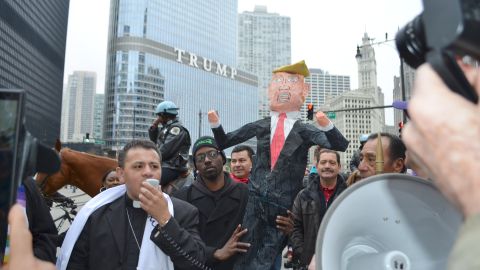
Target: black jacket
pixel 40 223
pixel 102 241
pixel 308 209
pixel 173 141
pixel 218 216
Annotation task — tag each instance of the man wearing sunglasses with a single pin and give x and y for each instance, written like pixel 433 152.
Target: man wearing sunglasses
pixel 221 203
pixel 172 139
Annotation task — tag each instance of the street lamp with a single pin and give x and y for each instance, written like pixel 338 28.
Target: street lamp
pixel 358 55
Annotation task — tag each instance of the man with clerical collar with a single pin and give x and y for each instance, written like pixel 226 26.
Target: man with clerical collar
pixel 134 226
pixel 312 203
pixel 283 142
pixel 241 163
pixel 221 203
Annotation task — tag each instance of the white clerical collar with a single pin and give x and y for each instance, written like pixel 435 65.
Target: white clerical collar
pixel 290 115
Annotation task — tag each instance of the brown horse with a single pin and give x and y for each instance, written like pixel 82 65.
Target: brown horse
pixel 86 171
pixel 80 169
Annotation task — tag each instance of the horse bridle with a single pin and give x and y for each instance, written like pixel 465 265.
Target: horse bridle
pixel 43 182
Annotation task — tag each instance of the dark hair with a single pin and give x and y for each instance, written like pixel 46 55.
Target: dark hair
pixel 136 144
pixel 104 178
pixel 396 146
pixel 243 147
pixel 324 150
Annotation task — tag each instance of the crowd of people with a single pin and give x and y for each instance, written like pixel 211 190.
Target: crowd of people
pixel 245 218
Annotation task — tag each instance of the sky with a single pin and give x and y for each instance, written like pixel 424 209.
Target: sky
pixel 324 34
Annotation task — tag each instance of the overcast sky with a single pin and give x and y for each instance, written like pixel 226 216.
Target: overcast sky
pixel 324 33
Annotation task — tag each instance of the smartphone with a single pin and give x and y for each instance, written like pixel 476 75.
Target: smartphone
pixel 11 118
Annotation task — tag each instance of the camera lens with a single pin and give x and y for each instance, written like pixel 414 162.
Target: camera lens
pixel 410 41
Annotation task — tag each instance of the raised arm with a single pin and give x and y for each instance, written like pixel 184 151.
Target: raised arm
pixel 238 136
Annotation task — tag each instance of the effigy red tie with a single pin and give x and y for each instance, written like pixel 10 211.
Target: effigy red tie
pixel 278 140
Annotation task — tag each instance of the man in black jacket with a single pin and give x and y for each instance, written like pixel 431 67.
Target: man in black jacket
pixel 312 202
pixel 116 234
pixel 221 203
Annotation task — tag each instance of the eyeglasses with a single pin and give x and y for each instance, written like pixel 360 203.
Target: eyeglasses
pixel 213 154
pixel 291 79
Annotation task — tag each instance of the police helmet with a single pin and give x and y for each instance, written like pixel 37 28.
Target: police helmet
pixel 166 107
pixel 363 138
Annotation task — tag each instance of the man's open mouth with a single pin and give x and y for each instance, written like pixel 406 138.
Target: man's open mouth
pixel 284 97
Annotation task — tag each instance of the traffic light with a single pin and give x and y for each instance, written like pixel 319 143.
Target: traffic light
pixel 87 136
pixel 310 111
pixel 400 126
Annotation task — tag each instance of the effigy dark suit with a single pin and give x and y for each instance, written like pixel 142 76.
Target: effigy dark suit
pixel 272 192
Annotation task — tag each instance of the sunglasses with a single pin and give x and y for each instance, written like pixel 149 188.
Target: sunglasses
pixel 213 154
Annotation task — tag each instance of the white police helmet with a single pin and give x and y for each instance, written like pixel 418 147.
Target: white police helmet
pixel 167 107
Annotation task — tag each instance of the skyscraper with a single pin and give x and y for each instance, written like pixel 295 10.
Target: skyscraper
pixel 409 77
pixel 264 43
pixel 98 109
pixel 78 106
pixel 356 122
pixel 184 52
pixel 323 85
pixel 32 53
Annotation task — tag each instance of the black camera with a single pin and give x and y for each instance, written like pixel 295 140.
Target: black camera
pixel 445 30
pixel 21 155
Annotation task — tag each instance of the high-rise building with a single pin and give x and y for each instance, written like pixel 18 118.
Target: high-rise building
pixel 264 43
pixel 323 85
pixel 409 77
pixel 78 106
pixel 32 53
pixel 98 109
pixel 184 52
pixel 353 123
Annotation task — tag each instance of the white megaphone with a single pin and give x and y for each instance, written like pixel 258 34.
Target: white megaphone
pixel 388 221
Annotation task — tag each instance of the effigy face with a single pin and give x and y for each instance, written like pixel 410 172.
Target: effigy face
pixel 287 92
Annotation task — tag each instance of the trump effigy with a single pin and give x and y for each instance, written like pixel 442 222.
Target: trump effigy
pixel 283 141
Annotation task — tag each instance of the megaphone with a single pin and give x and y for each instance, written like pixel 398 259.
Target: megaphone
pixel 388 221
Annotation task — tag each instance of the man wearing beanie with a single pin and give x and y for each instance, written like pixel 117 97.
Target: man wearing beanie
pixel 221 203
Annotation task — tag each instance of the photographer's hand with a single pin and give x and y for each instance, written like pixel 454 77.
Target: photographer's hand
pixel 442 137
pixel 21 249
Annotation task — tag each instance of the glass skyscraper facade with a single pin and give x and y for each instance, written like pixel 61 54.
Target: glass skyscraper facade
pixel 32 53
pixel 264 44
pixel 184 52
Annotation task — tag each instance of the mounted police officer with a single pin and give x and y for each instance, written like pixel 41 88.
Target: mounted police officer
pixel 172 139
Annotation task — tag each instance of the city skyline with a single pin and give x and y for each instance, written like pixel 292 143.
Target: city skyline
pixel 155 56
pixel 325 39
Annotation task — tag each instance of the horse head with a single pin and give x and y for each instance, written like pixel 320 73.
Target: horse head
pixel 80 169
